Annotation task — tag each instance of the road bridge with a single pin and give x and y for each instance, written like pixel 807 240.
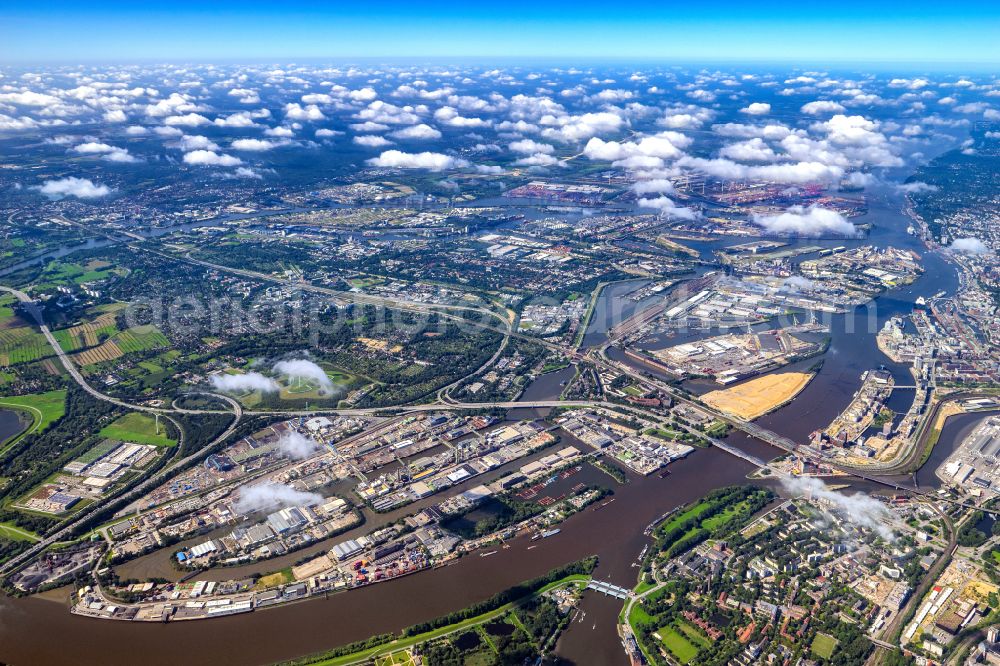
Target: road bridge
pixel 739 453
pixel 609 589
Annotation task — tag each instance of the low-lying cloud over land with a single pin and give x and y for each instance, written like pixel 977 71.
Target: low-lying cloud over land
pixel 241 383
pixel 425 160
pixel 304 369
pixel 296 445
pixel 812 221
pixel 81 188
pixel 859 508
pixel 272 496
pixel 969 246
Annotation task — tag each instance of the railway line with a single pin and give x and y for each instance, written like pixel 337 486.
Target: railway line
pixel 503 323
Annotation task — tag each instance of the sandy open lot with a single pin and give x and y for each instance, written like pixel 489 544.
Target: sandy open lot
pixel 758 396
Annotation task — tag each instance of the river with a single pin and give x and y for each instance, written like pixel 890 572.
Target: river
pixel 852 347
pixel 613 532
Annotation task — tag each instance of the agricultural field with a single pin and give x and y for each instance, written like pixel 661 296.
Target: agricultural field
pixel 138 428
pixel 108 351
pixel 87 335
pixel 141 338
pixel 138 338
pixel 22 344
pixel 7 302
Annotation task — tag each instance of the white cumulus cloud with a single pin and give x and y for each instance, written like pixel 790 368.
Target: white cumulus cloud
pixel 812 221
pixel 418 132
pixel 757 109
pixel 241 383
pixel 822 106
pixel 371 141
pixel 667 207
pixel 209 158
pixel 256 145
pixel 969 246
pixel 296 445
pixel 81 188
pixel 424 160
pixel 300 369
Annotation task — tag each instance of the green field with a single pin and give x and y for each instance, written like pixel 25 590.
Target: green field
pixel 365 283
pixel 12 532
pixel 303 390
pixel 43 407
pixel 693 634
pixel 677 519
pixel 275 579
pixel 679 646
pixel 68 341
pixel 643 586
pixel 396 659
pixel 409 641
pixel 138 428
pixel 824 645
pixel 665 433
pixel 6 309
pixel 638 616
pixel 552 366
pixel 716 428
pixel 65 273
pixel 98 450
pixel 720 519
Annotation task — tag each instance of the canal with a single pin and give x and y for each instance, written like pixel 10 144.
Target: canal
pixel 613 531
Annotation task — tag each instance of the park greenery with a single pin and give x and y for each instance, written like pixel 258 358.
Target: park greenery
pixel 500 603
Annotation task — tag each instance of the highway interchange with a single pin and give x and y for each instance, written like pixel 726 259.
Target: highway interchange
pixel 504 323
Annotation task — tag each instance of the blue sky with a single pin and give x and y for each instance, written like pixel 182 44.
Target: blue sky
pixel 801 31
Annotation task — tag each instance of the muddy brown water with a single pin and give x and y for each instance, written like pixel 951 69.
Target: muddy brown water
pixel 613 532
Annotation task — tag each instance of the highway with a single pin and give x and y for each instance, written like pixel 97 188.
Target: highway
pixel 596 356
pixel 443 401
pixel 123 498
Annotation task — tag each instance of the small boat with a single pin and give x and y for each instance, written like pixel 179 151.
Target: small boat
pixel 492 552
